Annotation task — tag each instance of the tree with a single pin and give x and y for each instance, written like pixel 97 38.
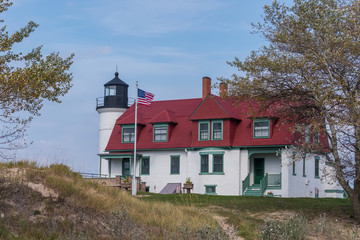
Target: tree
pixel 26 80
pixel 310 72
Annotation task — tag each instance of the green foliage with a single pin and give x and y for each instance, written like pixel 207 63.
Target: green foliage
pixel 27 79
pixel 309 73
pixel 246 214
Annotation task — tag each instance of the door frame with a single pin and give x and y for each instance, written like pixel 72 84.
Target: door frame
pixel 122 167
pixel 259 166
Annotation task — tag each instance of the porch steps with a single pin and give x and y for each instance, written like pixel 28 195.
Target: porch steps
pixel 253 190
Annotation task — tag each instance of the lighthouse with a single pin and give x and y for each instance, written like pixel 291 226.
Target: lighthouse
pixel 110 107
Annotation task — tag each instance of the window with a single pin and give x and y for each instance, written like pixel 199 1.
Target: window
pixel 145 165
pixel 217 130
pixel 175 165
pixel 307 133
pixel 218 163
pixel 214 159
pixel 110 90
pixel 293 164
pixel 304 172
pixel 316 137
pixel 204 130
pixel 298 127
pixel 210 189
pixel 204 163
pixel 293 168
pixel 317 160
pixel 160 133
pixel 261 128
pixel 128 133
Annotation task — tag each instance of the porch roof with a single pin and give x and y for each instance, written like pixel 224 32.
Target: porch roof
pixel 276 150
pixel 119 155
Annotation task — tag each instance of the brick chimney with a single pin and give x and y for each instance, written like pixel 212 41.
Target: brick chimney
pixel 206 87
pixel 223 89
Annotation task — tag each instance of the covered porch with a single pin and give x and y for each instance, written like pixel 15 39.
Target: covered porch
pixel 120 170
pixel 118 164
pixel 264 172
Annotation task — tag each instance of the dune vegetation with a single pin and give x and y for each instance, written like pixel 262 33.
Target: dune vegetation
pixel 55 203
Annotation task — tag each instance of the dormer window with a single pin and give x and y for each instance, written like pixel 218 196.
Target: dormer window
pixel 160 132
pixel 217 130
pixel 261 128
pixel 128 133
pixel 204 129
pixel 110 90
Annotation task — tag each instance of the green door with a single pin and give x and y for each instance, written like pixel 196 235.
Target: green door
pixel 125 167
pixel 258 170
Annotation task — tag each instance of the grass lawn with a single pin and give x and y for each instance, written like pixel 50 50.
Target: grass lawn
pixel 246 214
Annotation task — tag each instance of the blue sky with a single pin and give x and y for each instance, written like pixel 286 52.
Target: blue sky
pixel 168 46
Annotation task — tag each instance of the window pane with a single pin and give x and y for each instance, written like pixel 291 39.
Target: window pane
pixel 316 137
pixel 112 91
pixel 210 189
pixel 145 168
pixel 217 130
pixel 128 134
pixel 204 131
pixel 261 129
pixel 307 133
pixel 204 163
pixel 304 172
pixel 218 163
pixel 316 167
pixel 175 165
pixel 294 172
pixel 160 133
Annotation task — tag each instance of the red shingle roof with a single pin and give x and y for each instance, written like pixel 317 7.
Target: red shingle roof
pixel 237 126
pixel 165 116
pixel 213 107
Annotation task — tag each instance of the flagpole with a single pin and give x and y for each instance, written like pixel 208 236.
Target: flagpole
pixel 134 185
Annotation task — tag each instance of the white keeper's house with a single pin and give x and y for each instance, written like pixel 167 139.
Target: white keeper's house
pixel 211 141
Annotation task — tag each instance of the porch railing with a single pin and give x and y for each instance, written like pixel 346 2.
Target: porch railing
pixel 274 180
pixel 246 183
pixel 270 181
pixel 93 175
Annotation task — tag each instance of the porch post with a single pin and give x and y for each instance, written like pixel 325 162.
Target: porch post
pixel 109 167
pixel 244 167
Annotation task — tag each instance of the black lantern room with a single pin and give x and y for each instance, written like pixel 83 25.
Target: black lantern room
pixel 116 94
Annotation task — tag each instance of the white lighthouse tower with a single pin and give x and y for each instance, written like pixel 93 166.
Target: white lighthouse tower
pixel 110 108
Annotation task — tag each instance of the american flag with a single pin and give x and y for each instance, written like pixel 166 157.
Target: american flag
pixel 145 98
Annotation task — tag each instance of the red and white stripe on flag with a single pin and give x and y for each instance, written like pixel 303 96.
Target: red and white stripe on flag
pixel 145 98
